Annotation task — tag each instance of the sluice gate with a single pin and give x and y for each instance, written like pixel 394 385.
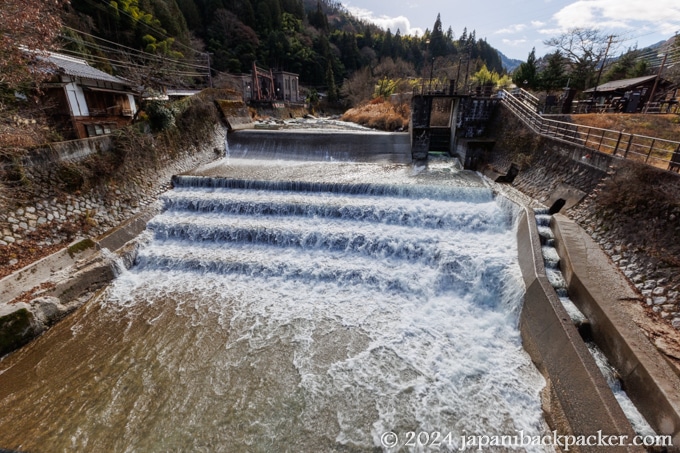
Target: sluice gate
pixel 443 120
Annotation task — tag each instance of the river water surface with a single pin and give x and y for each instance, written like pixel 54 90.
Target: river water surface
pixel 309 314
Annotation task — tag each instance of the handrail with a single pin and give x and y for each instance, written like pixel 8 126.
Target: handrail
pixel 657 152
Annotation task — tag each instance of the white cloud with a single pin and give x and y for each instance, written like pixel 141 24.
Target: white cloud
pixel 619 14
pixel 514 42
pixel 514 28
pixel 400 23
pixel 537 23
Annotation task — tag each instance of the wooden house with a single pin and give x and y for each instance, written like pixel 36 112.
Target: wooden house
pixel 86 102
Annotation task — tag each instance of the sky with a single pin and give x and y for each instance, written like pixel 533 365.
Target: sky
pixel 516 26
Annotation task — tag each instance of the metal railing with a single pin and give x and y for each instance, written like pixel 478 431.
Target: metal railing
pixel 652 151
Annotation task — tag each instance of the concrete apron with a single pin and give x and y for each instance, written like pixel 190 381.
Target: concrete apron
pixel 599 290
pixel 577 400
pixel 63 281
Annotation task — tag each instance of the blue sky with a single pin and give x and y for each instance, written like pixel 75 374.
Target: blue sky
pixel 515 26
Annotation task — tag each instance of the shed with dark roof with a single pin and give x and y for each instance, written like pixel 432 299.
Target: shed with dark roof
pixel 631 95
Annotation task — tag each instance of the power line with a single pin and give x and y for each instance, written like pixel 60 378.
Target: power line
pixel 160 32
pixel 128 49
pixel 127 64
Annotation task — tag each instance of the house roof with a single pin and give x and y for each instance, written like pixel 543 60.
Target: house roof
pixel 620 85
pixel 80 68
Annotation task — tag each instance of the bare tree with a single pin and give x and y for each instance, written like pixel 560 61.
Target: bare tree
pixel 28 28
pixel 359 87
pixel 584 49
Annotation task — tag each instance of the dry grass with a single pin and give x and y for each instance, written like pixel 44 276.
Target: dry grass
pixel 381 115
pixel 660 126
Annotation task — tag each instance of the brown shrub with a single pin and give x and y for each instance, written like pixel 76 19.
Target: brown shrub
pixel 379 114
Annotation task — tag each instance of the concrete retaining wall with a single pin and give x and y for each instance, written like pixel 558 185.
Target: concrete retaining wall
pixel 578 400
pixel 602 294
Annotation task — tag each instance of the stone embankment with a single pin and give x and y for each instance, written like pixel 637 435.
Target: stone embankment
pixel 631 210
pixel 48 201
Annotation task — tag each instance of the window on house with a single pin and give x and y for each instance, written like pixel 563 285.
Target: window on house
pixel 94 130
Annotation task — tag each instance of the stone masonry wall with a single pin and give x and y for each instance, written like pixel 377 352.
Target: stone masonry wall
pixel 44 204
pixel 631 210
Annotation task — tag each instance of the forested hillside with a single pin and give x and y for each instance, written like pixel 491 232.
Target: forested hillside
pixel 319 40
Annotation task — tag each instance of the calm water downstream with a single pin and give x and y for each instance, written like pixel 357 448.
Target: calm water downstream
pixel 308 315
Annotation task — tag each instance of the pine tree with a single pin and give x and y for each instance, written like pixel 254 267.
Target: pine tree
pixel 437 39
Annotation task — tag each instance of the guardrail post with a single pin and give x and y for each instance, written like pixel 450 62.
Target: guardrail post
pixel 616 148
pixel 630 142
pixel 651 147
pixel 585 142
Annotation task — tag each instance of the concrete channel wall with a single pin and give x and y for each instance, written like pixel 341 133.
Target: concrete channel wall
pixel 601 293
pixel 577 400
pixel 64 281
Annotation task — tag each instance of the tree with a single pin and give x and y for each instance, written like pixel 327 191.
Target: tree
pixel 628 65
pixel 583 48
pixel 437 39
pixel 525 75
pixel 30 24
pixel 673 72
pixel 330 82
pixel 553 77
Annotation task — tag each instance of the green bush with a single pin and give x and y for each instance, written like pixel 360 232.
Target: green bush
pixel 160 117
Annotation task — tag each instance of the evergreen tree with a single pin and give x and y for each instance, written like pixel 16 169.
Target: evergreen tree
pixel 437 39
pixel 553 77
pixel 318 19
pixel 525 75
pixel 330 83
pixel 386 48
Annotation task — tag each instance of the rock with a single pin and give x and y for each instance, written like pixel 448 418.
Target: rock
pixel 48 309
pixel 30 209
pixel 676 323
pixel 9 239
pixel 659 300
pixel 659 291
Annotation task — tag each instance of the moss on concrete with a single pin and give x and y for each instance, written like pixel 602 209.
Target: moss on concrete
pixel 80 246
pixel 15 330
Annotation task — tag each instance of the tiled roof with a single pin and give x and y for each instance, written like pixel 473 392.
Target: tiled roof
pixel 623 84
pixel 80 68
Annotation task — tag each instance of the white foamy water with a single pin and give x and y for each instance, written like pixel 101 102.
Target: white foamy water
pixel 310 319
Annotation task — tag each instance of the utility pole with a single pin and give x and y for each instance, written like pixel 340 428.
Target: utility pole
pixel 604 60
pixel 656 82
pixel 210 81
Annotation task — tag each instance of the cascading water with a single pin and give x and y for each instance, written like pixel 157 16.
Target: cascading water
pixel 611 375
pixel 291 316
